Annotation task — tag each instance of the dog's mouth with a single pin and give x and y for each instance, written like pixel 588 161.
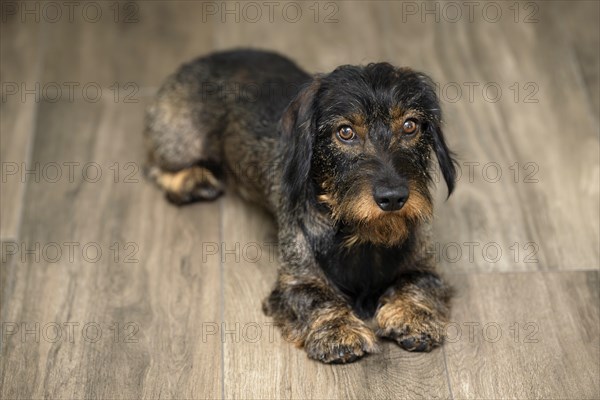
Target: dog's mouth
pixel 367 222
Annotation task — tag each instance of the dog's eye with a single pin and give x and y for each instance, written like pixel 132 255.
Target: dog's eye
pixel 409 127
pixel 346 133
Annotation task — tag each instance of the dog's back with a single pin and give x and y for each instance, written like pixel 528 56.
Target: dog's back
pixel 216 118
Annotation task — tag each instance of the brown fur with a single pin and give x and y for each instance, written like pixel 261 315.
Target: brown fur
pixel 338 335
pixel 414 317
pixel 186 184
pixel 374 225
pixel 333 334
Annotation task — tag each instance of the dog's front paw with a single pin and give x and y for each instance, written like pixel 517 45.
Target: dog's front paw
pixel 341 338
pixel 414 328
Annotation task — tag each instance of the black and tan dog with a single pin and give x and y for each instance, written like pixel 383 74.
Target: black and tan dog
pixel 343 162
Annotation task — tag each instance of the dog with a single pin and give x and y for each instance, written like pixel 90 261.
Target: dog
pixel 343 162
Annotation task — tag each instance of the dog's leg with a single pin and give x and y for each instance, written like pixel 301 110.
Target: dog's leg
pixel 414 311
pixel 183 136
pixel 311 314
pixel 187 185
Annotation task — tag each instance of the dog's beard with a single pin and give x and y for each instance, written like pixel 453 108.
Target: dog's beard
pixel 367 223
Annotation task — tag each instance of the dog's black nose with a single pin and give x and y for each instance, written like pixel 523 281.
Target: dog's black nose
pixel 390 199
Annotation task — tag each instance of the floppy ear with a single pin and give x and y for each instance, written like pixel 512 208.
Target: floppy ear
pixel 445 158
pixel 444 155
pixel 298 128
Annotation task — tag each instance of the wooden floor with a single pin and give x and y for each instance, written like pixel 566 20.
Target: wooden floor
pixel 109 292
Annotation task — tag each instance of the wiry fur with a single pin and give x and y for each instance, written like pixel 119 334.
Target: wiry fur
pixel 344 260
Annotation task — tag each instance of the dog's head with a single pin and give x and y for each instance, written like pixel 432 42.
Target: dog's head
pixel 359 140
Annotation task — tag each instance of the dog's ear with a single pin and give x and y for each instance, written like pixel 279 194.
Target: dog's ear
pixel 444 155
pixel 428 96
pixel 445 158
pixel 298 128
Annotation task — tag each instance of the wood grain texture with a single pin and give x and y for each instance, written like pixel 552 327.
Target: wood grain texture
pixel 573 23
pixel 314 24
pixel 7 282
pixel 547 197
pixel 155 282
pixel 527 335
pixel 138 42
pixel 19 70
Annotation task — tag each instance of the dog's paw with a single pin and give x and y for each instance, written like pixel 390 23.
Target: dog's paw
pixel 414 329
pixel 339 339
pixel 187 185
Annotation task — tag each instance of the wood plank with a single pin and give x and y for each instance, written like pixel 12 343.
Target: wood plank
pixel 545 171
pixel 19 69
pixel 258 363
pixel 157 283
pixel 525 335
pixel 299 29
pixel 137 42
pixel 6 282
pixel 578 23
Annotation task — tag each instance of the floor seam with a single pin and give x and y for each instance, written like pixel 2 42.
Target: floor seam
pixel 447 374
pixel 546 271
pixel 222 298
pixel 32 130
pixel 32 133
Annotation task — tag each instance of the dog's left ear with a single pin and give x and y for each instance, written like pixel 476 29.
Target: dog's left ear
pixel 445 158
pixel 444 155
pixel 298 128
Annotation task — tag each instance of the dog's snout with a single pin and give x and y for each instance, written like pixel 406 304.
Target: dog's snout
pixel 390 198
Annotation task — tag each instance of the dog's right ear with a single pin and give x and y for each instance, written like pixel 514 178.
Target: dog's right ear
pixel 298 127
